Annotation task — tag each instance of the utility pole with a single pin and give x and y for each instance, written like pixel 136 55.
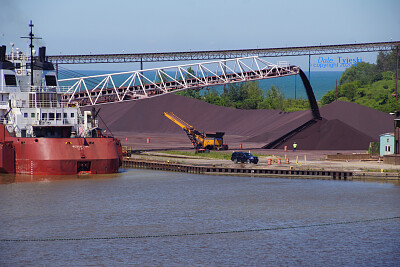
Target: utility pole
pixel 397 69
pixel 336 88
pixel 309 67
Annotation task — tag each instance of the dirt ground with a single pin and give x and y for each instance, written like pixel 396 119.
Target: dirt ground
pixel 157 142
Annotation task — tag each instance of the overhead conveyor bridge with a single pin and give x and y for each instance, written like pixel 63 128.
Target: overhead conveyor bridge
pixel 136 85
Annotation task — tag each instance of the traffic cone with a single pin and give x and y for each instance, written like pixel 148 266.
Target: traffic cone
pixel 287 160
pixel 279 160
pixel 148 140
pixel 269 161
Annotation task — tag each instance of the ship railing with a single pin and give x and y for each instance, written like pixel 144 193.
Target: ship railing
pixel 46 104
pixel 49 121
pixel 8 88
pixel 63 89
pixel 38 104
pixel 45 89
pixel 3 103
pixel 17 56
pixel 32 121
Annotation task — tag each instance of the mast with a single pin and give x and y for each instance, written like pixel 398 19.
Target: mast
pixel 31 37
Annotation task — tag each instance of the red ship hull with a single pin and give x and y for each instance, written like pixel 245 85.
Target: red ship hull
pixel 58 156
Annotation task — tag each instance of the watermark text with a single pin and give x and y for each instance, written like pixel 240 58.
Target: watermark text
pixel 338 62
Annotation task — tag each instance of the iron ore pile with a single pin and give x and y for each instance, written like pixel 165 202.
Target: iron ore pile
pixel 344 126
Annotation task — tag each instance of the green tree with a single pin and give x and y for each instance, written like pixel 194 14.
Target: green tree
pixel 213 97
pixel 193 93
pixel 274 99
pixel 369 84
pixel 234 95
pixel 386 61
pixel 349 90
pixel 329 97
pixel 291 105
pixel 162 77
pixel 388 75
pixel 243 95
pixel 255 95
pixel 191 71
pixel 363 72
pixel 249 95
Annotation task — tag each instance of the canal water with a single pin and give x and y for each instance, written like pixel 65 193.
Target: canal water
pixel 147 218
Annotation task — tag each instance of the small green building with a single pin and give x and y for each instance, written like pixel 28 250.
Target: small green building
pixel 386 146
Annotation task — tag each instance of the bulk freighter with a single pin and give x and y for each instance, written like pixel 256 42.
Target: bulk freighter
pixel 41 135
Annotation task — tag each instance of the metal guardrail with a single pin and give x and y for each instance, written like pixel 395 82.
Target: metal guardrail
pixel 38 104
pixel 44 89
pixel 48 121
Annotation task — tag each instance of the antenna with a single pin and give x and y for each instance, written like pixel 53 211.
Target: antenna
pixel 12 50
pixel 31 37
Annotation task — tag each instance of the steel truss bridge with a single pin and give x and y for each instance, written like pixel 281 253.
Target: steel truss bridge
pixel 136 85
pixel 225 54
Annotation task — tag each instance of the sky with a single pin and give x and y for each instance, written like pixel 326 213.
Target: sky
pixel 132 26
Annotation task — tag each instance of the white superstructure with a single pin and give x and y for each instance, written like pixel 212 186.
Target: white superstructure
pixel 35 109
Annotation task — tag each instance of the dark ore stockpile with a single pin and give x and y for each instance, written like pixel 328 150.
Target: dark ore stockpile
pixel 345 126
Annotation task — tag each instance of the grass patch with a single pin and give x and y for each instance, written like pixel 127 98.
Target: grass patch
pixel 211 154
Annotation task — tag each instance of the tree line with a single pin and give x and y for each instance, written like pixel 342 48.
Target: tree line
pixel 371 85
pixel 247 95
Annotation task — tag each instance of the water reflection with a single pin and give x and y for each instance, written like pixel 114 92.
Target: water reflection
pixel 25 178
pixel 380 180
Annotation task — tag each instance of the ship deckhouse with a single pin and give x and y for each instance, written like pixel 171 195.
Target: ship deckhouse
pixel 33 110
